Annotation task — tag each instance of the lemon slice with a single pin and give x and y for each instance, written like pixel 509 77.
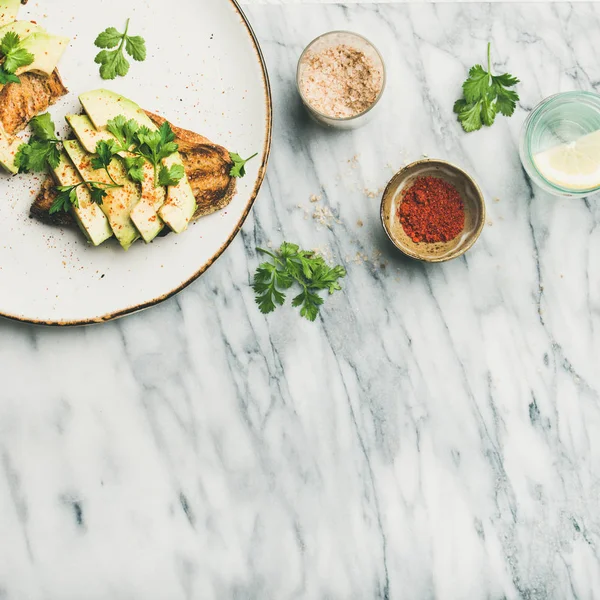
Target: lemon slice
pixel 573 166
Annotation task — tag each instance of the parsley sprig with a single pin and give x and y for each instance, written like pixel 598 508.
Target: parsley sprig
pixel 239 164
pixel 291 265
pixel 67 195
pixel 141 144
pixel 113 63
pixel 42 150
pixel 105 150
pixel 485 95
pixel 14 58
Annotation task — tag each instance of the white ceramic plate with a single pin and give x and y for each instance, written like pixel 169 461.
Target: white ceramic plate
pixel 204 72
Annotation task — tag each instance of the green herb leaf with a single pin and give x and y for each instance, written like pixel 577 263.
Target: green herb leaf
pixel 292 265
pixel 136 48
pixel 106 150
pixel 66 198
pixel 470 117
pixel 9 42
pixel 113 62
pixel 14 57
pixel 17 58
pixel 98 193
pixel 485 95
pixel 170 176
pixel 7 77
pixel 134 165
pixel 42 150
pixel 155 146
pixel 124 130
pixel 239 164
pixel 109 38
pixel 310 303
pixel 42 127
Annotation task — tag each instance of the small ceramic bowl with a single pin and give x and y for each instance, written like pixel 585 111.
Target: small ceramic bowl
pixel 472 198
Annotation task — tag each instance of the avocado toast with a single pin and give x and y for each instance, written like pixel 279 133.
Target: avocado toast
pixel 153 209
pixel 29 81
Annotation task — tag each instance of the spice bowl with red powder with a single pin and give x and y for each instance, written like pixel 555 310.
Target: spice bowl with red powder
pixel 433 211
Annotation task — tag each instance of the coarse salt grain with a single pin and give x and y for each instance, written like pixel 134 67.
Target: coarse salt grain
pixel 340 81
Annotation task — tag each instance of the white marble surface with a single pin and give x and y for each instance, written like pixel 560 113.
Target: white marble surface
pixel 433 435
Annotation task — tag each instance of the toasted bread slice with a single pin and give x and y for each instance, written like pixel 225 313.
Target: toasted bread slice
pixel 20 102
pixel 207 166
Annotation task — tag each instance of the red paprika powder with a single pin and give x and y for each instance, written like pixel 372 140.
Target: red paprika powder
pixel 432 211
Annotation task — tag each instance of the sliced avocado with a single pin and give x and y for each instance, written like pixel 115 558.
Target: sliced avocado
pixel 118 202
pixel 143 214
pixel 47 50
pixel 9 9
pixel 104 105
pixel 22 28
pixel 8 150
pixel 180 206
pixel 89 216
pixel 86 133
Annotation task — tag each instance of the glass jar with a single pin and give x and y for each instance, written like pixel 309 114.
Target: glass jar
pixel 559 120
pixel 354 41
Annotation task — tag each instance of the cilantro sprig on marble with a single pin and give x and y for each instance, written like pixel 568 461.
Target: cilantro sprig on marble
pixel 114 44
pixel 484 96
pixel 42 150
pixel 290 265
pixel 14 58
pixel 140 145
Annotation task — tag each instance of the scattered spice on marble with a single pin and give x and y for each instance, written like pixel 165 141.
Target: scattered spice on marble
pixel 340 81
pixel 431 211
pixel 359 223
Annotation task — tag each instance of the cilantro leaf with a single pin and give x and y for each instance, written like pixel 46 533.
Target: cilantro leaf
pixel 14 57
pixel 42 150
pixel 124 130
pixel 20 57
pixel 309 303
pixel 106 150
pixel 113 63
pixel 239 164
pixel 42 127
pixel 290 265
pixel 484 96
pixel 477 85
pixel 170 176
pixel 65 199
pixel 488 111
pixel 154 146
pixel 134 165
pixel 470 117
pixel 98 193
pixel 506 101
pixel 136 48
pixel 7 77
pixel 9 42
pixel 109 38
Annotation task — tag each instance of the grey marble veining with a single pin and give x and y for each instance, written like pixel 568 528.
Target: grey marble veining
pixel 432 435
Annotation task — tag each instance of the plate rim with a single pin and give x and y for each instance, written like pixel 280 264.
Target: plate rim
pixel 211 261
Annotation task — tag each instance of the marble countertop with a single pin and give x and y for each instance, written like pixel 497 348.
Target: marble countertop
pixel 433 435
